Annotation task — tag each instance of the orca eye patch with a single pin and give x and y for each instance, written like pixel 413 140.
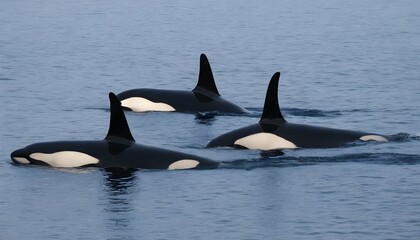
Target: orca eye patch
pixel 264 141
pixel 373 138
pixel 139 104
pixel 183 164
pixel 65 159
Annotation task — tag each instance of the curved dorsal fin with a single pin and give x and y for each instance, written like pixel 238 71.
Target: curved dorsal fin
pixel 271 106
pixel 118 126
pixel 205 77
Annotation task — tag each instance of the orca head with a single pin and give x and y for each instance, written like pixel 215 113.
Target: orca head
pixel 42 154
pixel 20 156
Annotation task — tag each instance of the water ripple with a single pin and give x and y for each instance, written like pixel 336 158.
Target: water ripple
pixel 291 161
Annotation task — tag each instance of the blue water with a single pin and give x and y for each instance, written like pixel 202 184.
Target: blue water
pixel 352 65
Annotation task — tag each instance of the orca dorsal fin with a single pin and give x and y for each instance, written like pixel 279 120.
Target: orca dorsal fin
pixel 118 126
pixel 271 106
pixel 205 76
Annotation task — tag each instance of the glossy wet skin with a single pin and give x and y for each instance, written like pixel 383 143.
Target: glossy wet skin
pixel 273 132
pixel 301 136
pixel 182 101
pixel 118 149
pixel 205 97
pixel 106 153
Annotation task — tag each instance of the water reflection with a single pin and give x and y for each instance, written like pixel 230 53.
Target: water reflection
pixel 206 118
pixel 271 153
pixel 119 181
pixel 119 185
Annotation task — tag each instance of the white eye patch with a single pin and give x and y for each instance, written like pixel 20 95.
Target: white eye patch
pixel 264 141
pixel 374 138
pixel 65 159
pixel 139 104
pixel 183 164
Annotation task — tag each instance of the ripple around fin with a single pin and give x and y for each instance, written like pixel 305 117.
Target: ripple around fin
pixel 205 117
pixel 302 112
pixel 97 108
pixel 279 161
pixel 311 112
pixel 403 137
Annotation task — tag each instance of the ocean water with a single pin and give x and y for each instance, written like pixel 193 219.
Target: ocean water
pixel 352 65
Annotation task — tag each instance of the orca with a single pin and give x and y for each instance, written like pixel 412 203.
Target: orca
pixel 203 98
pixel 117 150
pixel 273 132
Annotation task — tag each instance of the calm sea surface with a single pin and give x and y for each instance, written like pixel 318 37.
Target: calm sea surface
pixel 352 65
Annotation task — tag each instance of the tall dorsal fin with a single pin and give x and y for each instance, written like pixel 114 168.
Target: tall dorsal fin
pixel 205 77
pixel 118 126
pixel 271 106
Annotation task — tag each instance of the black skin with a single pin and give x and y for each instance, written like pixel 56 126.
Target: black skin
pixel 272 121
pixel 186 101
pixel 117 150
pixel 116 153
pixel 303 136
pixel 203 98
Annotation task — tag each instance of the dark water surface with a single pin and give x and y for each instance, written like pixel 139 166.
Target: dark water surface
pixel 352 65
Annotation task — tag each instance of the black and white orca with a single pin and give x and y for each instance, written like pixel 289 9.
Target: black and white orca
pixel 117 150
pixel 273 132
pixel 203 98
